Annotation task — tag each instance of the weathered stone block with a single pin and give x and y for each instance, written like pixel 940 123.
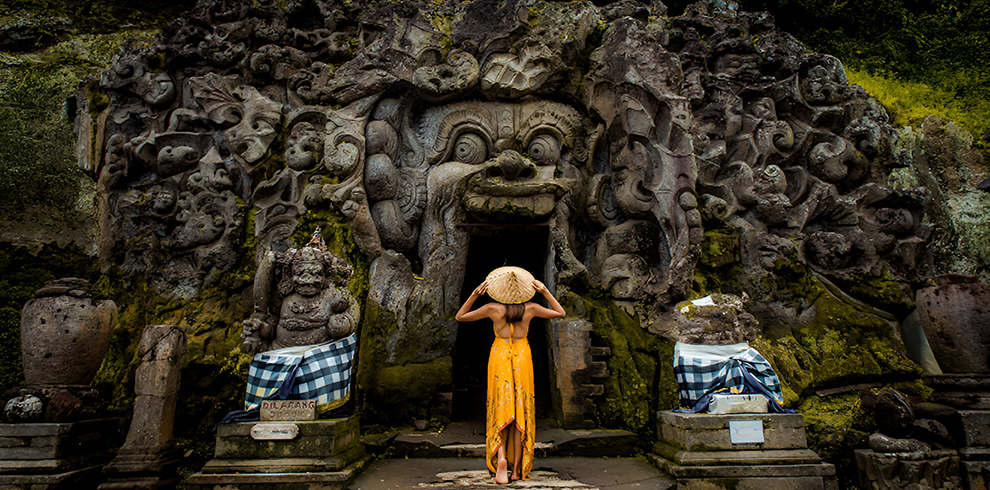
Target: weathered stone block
pixel 704 432
pixel 976 427
pixel 932 469
pixel 317 440
pixel 771 476
pixel 697 450
pixel 59 480
pixel 976 474
pixel 314 480
pixel 738 457
pixel 13 442
pixel 285 465
pixel 22 442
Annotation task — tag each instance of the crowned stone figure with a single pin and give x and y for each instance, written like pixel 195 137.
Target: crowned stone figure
pixel 302 330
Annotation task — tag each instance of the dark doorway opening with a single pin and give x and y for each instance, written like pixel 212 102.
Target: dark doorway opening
pixel 493 246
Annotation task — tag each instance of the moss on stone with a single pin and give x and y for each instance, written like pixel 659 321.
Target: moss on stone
pixel 11 371
pixel 882 292
pixel 718 247
pixel 36 142
pixel 837 425
pixel 97 16
pixel 406 392
pixel 639 382
pixel 337 235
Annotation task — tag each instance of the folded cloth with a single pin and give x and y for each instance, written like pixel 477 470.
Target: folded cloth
pixel 321 372
pixel 701 370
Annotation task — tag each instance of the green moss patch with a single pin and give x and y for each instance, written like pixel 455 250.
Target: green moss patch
pixel 641 376
pixel 401 394
pixel 836 426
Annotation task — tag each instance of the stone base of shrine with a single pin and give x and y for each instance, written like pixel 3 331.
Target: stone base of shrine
pixel 55 456
pixel 739 452
pixel 311 455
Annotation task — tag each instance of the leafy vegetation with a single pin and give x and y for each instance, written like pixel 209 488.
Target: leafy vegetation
pixel 36 144
pixel 917 57
pixel 96 16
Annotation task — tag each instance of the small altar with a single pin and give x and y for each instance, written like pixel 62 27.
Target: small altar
pixel 740 451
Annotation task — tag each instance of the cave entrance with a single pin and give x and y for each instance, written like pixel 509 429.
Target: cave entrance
pixel 490 247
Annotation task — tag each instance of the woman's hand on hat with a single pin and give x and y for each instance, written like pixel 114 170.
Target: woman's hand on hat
pixel 481 289
pixel 539 286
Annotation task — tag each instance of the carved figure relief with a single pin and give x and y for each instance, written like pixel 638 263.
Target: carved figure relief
pixel 628 133
pixel 300 298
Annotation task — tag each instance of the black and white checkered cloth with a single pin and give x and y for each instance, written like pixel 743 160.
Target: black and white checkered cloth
pixel 704 369
pixel 321 372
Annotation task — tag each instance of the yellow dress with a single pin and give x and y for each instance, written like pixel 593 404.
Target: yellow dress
pixel 510 400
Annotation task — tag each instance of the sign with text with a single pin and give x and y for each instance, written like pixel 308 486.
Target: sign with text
pixel 746 431
pixel 274 432
pixel 288 410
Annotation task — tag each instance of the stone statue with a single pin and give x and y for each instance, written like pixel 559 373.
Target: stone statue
pixel 300 298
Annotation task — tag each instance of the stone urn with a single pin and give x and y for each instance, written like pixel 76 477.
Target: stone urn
pixel 956 318
pixel 65 333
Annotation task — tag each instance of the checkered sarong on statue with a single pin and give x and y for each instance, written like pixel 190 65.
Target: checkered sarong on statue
pixel 321 372
pixel 704 369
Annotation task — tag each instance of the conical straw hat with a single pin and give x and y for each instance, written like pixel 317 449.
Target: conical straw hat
pixel 510 285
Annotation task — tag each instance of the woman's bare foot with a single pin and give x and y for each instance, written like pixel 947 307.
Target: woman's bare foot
pixel 501 472
pixel 515 476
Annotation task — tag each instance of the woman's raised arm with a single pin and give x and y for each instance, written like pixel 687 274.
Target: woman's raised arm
pixel 542 312
pixel 465 314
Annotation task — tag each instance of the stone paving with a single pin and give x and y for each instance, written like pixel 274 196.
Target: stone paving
pixel 547 474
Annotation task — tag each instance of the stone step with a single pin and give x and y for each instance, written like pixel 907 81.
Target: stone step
pixel 467 440
pixel 547 474
pixel 743 471
pixel 313 480
pixel 736 457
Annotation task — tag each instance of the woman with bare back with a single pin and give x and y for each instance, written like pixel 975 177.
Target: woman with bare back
pixel 511 405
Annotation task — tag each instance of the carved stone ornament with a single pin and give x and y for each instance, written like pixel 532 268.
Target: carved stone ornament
pixel 301 298
pixel 628 135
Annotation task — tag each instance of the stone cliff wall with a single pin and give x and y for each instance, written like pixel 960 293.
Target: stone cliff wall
pixel 666 157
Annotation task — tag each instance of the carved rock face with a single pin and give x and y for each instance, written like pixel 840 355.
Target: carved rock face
pixel 523 156
pixel 632 135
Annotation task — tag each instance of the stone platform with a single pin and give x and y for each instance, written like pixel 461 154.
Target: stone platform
pixel 699 450
pixel 467 440
pixel 55 456
pixel 320 455
pixel 547 474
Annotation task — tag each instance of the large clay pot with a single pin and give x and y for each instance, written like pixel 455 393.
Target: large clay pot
pixel 956 318
pixel 65 333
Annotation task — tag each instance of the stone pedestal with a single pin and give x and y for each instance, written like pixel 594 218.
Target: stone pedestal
pixel 699 451
pixel 321 455
pixel 894 471
pixel 970 395
pixel 577 373
pixel 147 459
pixel 55 456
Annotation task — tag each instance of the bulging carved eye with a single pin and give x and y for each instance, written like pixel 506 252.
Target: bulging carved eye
pixel 470 148
pixel 544 149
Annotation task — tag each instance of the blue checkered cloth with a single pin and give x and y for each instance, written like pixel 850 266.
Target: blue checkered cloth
pixel 321 372
pixel 705 369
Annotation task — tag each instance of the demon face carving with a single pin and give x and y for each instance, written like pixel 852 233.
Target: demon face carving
pixel 521 157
